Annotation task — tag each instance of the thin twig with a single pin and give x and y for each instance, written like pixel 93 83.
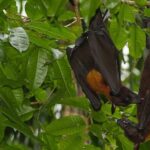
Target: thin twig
pixel 77 13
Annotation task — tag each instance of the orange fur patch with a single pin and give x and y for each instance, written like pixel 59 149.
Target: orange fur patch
pixel 97 83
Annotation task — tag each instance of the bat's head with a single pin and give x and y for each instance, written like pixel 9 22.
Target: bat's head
pixel 125 97
pixel 131 130
pixel 128 96
pixel 96 23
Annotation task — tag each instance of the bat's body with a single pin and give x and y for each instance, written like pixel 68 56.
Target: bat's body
pixel 94 60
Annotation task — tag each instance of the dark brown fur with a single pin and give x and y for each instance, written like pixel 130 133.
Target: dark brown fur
pixel 95 50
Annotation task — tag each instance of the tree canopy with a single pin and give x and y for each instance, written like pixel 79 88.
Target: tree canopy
pixel 39 105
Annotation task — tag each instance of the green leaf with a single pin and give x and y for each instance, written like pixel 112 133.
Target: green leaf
pixel 40 94
pixel 37 68
pixel 53 8
pixel 112 4
pixel 14 120
pixel 67 15
pixel 9 98
pixel 145 145
pixel 26 112
pixel 15 146
pixel 40 41
pixel 126 144
pixel 118 34
pixel 60 73
pixel 2 54
pixel 88 8
pixel 66 126
pixel 99 116
pixel 147 12
pixel 97 130
pixel 18 38
pixel 80 102
pixel 91 147
pixel 136 41
pixel 141 2
pixel 2 126
pixel 50 142
pixel 126 13
pixel 8 71
pixel 18 94
pixel 4 4
pixel 68 142
pixel 35 9
pixel 58 32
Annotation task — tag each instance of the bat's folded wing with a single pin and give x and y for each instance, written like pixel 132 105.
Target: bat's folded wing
pixel 81 62
pixel 106 58
pixel 104 52
pixel 144 119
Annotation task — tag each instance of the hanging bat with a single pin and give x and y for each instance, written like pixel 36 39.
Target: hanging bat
pixel 140 132
pixel 95 63
pixel 143 110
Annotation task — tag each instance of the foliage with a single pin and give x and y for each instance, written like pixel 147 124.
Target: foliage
pixel 35 75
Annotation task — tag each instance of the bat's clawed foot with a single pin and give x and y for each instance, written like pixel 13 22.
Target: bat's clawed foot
pixel 131 131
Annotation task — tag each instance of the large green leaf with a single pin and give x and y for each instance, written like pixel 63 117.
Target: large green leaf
pixel 18 93
pixel 126 144
pixel 35 9
pixel 110 4
pixel 9 109
pixel 147 12
pixel 68 142
pixel 2 126
pixel 5 3
pixel 39 40
pixel 58 32
pixel 136 41
pixel 88 8
pixel 55 8
pixel 126 13
pixel 80 102
pixel 66 126
pixel 13 146
pixel 141 2
pixel 37 68
pixel 118 34
pixel 60 73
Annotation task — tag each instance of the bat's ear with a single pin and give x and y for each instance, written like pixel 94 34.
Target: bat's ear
pixel 96 23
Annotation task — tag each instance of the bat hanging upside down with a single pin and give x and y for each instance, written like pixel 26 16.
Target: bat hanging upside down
pixel 140 132
pixel 95 63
